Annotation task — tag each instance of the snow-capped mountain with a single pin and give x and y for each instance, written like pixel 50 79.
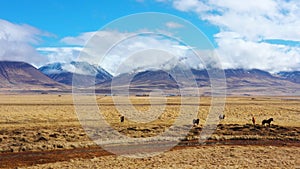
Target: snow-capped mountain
pixel 87 73
pixel 23 76
pixel 238 81
pixel 293 76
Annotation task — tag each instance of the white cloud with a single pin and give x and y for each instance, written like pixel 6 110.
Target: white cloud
pixel 133 52
pixel 60 54
pixel 119 52
pixel 138 53
pixel 67 54
pixel 173 25
pixel 268 19
pixel 79 40
pixel 244 28
pixel 240 53
pixel 16 43
pixel 191 5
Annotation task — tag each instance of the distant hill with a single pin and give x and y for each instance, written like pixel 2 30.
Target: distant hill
pixel 23 76
pixel 251 78
pixel 20 76
pixel 140 82
pixel 258 82
pixel 86 74
pixel 293 76
pixel 238 81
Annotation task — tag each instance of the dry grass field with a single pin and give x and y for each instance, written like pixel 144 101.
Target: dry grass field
pixel 48 123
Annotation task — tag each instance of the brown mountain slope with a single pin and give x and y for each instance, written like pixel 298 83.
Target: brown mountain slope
pixel 238 82
pixel 23 76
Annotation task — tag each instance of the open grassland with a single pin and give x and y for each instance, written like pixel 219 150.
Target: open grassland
pixel 250 157
pixel 51 110
pixel 42 123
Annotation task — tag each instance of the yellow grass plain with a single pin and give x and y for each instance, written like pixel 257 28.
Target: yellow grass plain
pixel 49 122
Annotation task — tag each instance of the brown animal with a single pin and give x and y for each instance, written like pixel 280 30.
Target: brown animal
pixel 122 118
pixel 222 116
pixel 195 121
pixel 267 121
pixel 253 120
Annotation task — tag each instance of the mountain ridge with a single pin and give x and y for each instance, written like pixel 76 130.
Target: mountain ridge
pixel 84 72
pixel 293 76
pixel 23 76
pixel 237 81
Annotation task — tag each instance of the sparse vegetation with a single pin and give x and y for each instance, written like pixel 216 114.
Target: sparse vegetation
pixel 31 123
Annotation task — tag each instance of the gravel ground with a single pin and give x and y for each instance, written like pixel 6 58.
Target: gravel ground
pixel 197 157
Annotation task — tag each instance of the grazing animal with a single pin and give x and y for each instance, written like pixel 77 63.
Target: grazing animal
pixel 196 122
pixel 253 120
pixel 122 118
pixel 222 116
pixel 267 121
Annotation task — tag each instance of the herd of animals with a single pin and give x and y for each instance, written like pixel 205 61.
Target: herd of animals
pixel 221 117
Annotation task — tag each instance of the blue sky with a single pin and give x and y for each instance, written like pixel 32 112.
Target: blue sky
pixel 245 34
pixel 65 18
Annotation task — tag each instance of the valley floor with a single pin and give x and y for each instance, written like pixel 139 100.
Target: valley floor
pixel 43 131
pixel 197 157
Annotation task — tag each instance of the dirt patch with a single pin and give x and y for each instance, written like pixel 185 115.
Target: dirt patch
pixel 45 129
pixel 34 158
pixel 218 156
pixel 45 139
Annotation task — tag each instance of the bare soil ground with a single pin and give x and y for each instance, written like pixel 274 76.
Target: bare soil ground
pixel 196 157
pixel 43 131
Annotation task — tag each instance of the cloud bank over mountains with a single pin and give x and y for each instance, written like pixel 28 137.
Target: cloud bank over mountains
pixel 246 27
pixel 260 35
pixel 17 43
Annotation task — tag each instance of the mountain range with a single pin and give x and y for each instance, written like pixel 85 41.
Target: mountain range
pixel 85 72
pixel 238 81
pixel 59 76
pixel 23 76
pixel 293 76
